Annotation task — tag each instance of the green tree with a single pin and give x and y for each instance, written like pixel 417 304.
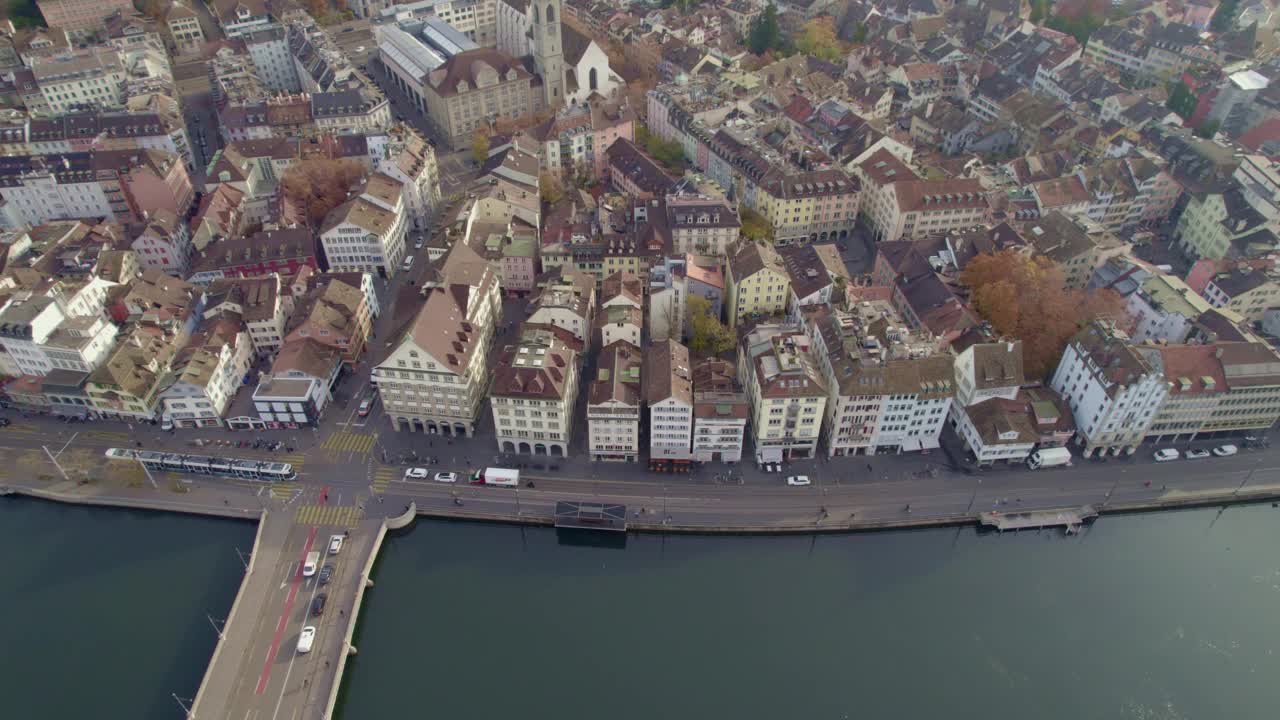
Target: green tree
pixel 1181 99
pixel 551 188
pixel 24 14
pixel 480 147
pixel 709 336
pixel 667 152
pixel 860 33
pixel 755 226
pixel 765 34
pixel 1208 129
pixel 819 40
pixel 1040 10
pixel 1080 27
pixel 1224 18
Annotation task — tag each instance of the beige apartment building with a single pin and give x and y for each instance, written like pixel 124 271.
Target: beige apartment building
pixel 614 400
pixel 80 17
pixel 435 378
pixel 786 391
pixel 1225 387
pixel 475 87
pixel 535 388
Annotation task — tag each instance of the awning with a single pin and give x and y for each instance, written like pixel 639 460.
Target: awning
pixel 930 443
pixel 910 444
pixel 770 454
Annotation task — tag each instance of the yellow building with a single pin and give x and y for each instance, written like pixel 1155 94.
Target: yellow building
pixel 757 282
pixel 809 207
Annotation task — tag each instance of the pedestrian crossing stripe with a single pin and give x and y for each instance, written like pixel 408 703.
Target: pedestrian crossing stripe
pixel 25 428
pixel 347 516
pixel 383 477
pixel 107 435
pixel 284 491
pixel 348 442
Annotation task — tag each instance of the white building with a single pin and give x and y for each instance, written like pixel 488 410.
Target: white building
pixel 988 370
pixel 1114 392
pixel 887 389
pixel 206 375
pixel 25 324
pixel 434 380
pixel 1163 309
pixel 668 391
pixel 404 155
pixel 366 233
pixel 534 391
pixel 258 302
pixel 92 78
pixel 614 400
pixel 563 308
pixel 586 65
pixel 272 60
pixel 997 430
pixel 720 412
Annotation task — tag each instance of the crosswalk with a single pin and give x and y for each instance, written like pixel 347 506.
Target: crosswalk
pixel 295 459
pixel 107 435
pixel 284 491
pixel 347 516
pixel 21 429
pixel 383 476
pixel 348 442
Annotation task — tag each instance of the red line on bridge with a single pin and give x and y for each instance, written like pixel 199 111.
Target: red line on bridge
pixel 284 616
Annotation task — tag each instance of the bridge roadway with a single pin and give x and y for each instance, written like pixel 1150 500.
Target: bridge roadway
pixel 256 672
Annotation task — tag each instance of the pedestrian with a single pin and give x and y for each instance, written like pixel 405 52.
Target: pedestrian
pixel 868 467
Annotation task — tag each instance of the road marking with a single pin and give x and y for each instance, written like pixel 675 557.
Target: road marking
pixel 284 617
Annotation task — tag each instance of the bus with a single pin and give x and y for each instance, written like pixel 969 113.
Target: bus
pixel 261 470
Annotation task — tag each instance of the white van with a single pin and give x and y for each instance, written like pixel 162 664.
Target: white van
pixel 1167 454
pixel 408 264
pixel 306 639
pixel 309 567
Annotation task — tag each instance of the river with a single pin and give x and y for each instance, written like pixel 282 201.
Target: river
pixel 1164 616
pixel 104 611
pixel 1153 617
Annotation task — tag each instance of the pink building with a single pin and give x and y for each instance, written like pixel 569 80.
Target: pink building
pixel 609 122
pixel 153 180
pixel 519 261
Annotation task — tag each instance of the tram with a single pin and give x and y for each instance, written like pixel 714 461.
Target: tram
pixel 206 465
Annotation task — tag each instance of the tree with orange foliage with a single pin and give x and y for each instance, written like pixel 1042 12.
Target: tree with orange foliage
pixel 319 185
pixel 1026 298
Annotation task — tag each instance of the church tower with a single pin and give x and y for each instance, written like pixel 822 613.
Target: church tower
pixel 548 52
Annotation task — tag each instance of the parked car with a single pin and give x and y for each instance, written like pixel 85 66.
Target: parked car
pixel 317 605
pixel 416 474
pixel 1197 454
pixel 326 574
pixel 446 477
pixel 1167 454
pixel 4 422
pixel 306 639
pixel 366 406
pixel 335 544
pixel 798 480
pixel 417 245
pixel 1225 450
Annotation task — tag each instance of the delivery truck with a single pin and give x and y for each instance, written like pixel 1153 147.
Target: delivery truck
pixel 501 477
pixel 1049 457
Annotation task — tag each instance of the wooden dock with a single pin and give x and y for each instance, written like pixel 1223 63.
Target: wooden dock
pixel 1072 519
